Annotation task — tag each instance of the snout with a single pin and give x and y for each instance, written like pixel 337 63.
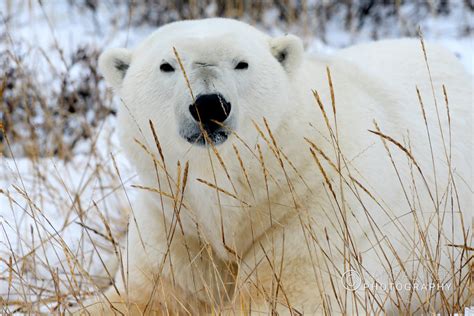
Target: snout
pixel 210 113
pixel 211 110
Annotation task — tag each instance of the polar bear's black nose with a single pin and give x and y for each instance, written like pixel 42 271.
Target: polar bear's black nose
pixel 210 110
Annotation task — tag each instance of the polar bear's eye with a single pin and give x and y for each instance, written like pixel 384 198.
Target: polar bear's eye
pixel 165 67
pixel 242 65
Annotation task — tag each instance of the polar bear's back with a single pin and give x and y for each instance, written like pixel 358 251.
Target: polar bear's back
pixel 399 67
pixel 395 59
pixel 391 72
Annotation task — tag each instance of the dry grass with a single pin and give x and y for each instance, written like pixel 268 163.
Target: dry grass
pixel 67 219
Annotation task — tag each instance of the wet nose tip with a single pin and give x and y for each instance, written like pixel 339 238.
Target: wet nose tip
pixel 210 108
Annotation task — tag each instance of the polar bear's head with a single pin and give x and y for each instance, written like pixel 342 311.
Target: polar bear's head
pixel 205 81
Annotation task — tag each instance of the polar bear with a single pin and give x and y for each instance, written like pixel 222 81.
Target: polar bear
pixel 274 181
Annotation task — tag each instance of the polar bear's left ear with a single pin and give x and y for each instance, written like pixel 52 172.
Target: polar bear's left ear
pixel 288 50
pixel 113 64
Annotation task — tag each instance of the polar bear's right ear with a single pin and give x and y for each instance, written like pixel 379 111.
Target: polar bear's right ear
pixel 288 50
pixel 113 64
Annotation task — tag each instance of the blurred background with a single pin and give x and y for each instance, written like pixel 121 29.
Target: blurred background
pixel 64 183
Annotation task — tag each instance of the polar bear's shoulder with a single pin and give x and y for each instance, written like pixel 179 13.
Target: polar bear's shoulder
pixel 401 63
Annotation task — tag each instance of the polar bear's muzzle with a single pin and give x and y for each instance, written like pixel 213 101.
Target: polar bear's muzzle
pixel 210 113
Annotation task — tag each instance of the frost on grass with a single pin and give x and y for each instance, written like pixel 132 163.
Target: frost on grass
pixel 60 219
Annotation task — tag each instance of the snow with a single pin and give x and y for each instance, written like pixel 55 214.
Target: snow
pixel 56 193
pixel 51 200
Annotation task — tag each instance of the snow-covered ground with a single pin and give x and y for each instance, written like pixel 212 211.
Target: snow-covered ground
pixel 49 208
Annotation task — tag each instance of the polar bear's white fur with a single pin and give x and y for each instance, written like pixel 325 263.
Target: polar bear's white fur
pixel 265 221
